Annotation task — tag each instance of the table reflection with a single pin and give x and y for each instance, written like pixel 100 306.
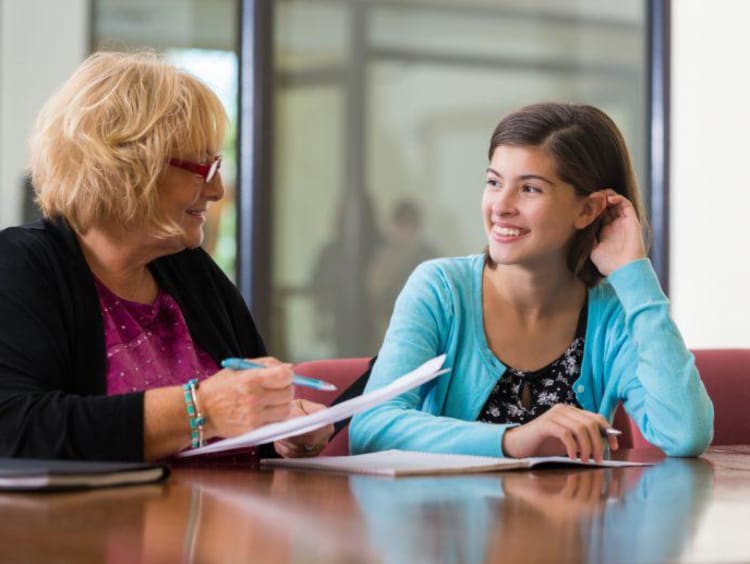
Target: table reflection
pixel 226 515
pixel 92 526
pixel 613 515
pixel 279 516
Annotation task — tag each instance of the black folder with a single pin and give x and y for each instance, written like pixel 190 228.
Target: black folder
pixel 27 474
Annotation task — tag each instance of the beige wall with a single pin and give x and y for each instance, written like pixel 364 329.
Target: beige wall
pixel 710 199
pixel 41 42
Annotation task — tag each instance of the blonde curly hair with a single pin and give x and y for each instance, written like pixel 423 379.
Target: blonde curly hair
pixel 101 142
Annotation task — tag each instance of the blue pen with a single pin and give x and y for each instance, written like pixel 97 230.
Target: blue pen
pixel 242 364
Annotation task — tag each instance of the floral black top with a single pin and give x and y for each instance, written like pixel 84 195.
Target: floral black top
pixel 519 397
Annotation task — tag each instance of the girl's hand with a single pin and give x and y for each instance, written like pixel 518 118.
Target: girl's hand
pixel 309 444
pixel 564 497
pixel 563 429
pixel 237 401
pixel 620 238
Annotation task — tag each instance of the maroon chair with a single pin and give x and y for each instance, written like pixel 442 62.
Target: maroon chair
pixel 726 375
pixel 341 372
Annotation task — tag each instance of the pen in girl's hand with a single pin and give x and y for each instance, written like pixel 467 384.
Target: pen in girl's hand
pixel 611 431
pixel 297 380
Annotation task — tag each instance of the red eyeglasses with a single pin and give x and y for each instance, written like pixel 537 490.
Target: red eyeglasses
pixel 206 170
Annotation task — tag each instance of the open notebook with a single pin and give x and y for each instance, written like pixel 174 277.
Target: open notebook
pixel 412 463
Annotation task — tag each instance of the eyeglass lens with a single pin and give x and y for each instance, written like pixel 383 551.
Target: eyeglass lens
pixel 212 171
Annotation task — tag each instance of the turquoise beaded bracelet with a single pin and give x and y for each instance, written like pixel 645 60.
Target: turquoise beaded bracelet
pixel 195 417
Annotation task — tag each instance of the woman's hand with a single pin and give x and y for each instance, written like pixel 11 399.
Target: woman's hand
pixel 309 444
pixel 621 236
pixel 563 429
pixel 237 401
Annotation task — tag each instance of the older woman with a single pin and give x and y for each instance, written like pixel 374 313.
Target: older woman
pixel 113 320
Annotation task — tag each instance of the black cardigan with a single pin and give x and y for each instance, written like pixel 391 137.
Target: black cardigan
pixel 52 355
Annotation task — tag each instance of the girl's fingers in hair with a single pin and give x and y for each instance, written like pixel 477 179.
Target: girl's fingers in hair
pixel 620 206
pixel 610 214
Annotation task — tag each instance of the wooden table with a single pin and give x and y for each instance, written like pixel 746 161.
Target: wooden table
pixel 695 510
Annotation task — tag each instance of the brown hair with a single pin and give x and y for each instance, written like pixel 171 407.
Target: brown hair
pixel 590 154
pixel 103 139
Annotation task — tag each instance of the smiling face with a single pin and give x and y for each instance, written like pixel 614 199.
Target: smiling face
pixel 183 199
pixel 530 215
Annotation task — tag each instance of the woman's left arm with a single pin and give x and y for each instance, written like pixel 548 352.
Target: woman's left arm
pixel 656 374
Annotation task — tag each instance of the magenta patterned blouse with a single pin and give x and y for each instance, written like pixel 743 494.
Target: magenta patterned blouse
pixel 148 345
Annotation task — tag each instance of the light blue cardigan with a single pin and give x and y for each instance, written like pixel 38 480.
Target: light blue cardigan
pixel 633 352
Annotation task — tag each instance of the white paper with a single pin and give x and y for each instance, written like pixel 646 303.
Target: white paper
pixel 306 423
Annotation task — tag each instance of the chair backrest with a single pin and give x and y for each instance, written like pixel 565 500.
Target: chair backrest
pixel 726 375
pixel 339 371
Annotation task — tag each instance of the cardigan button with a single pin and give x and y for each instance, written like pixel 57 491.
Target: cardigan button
pixel 580 388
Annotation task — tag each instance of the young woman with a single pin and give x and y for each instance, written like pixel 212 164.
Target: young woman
pixel 560 319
